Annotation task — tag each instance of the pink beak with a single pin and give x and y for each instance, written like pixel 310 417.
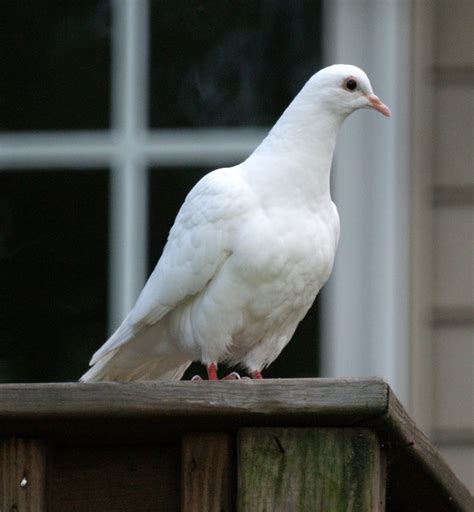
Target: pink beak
pixel 377 104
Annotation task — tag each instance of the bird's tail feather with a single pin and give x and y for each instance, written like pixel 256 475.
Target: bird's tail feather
pixel 112 367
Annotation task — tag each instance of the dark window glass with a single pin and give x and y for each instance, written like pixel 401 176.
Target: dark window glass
pixel 238 63
pixel 55 65
pixel 53 272
pixel 168 188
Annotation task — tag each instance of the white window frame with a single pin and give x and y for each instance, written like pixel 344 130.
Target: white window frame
pixel 365 312
pixel 128 149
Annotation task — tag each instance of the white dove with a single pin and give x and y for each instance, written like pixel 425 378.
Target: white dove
pixel 249 251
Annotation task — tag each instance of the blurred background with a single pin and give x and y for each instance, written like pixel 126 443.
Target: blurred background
pixel 110 111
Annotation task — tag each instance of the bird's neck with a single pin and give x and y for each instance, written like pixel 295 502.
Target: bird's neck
pixel 299 149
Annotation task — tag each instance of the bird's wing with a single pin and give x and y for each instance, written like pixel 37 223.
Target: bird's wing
pixel 197 246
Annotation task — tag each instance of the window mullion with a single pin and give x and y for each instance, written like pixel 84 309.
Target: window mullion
pixel 128 205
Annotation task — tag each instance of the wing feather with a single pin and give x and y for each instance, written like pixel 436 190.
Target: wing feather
pixel 198 244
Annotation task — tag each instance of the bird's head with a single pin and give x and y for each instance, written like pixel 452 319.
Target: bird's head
pixel 345 88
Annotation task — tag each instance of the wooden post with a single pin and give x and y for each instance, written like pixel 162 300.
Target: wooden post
pixel 320 469
pixel 207 478
pixel 22 475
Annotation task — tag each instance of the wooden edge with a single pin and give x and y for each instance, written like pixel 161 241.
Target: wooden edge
pixel 414 447
pixel 134 412
pixel 278 397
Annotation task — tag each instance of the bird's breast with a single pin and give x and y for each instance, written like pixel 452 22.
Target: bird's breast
pixel 275 268
pixel 286 254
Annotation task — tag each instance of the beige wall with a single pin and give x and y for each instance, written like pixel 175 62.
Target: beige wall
pixel 447 55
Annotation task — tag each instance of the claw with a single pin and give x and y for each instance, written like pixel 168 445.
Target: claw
pixel 232 376
pixel 196 378
pixel 256 375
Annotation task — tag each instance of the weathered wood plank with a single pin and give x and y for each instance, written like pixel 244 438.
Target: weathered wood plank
pixel 141 409
pixel 318 469
pixel 114 478
pixel 22 475
pixel 280 396
pixel 207 472
pixel 414 463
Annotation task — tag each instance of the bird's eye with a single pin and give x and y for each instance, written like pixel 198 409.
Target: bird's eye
pixel 351 84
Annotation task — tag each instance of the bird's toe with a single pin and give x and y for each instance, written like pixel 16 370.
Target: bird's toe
pixel 232 376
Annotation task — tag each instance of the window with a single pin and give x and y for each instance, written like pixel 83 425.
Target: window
pixel 230 63
pixel 56 65
pixel 53 271
pixel 107 121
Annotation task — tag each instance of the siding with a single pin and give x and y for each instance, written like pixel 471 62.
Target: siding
pixel 453 235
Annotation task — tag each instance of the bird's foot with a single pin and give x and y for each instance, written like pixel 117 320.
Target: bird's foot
pixel 212 374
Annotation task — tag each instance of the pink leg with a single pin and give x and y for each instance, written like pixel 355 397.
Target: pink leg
pixel 212 374
pixel 256 375
pixel 212 371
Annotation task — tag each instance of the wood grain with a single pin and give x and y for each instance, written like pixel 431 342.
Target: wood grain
pixel 414 463
pixel 279 396
pixel 207 472
pixel 22 475
pixel 323 469
pixel 125 410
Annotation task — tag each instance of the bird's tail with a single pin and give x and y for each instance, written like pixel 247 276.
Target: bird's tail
pixel 117 366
